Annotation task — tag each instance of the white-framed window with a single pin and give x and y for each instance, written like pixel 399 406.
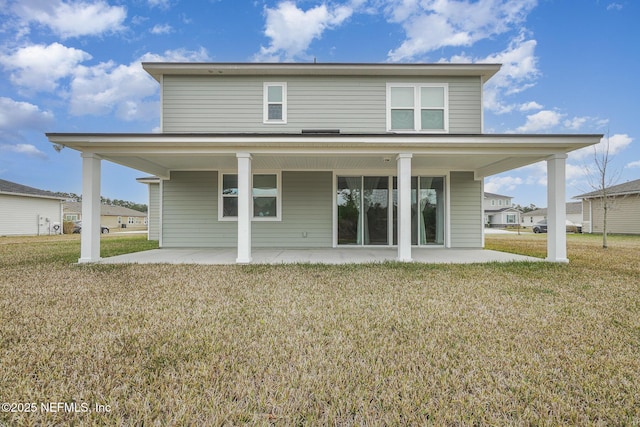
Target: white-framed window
pixel 493 202
pixel 417 107
pixel 266 191
pixel 511 218
pixel 131 220
pixel 275 103
pixel 499 202
pixel 71 217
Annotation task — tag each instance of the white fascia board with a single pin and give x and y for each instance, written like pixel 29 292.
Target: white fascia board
pixel 159 143
pixel 159 69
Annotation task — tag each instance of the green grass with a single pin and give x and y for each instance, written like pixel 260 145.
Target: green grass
pixel 483 344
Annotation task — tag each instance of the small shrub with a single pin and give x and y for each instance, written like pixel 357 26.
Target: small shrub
pixel 67 227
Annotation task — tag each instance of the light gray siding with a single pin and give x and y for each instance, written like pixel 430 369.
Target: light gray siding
pixel 351 104
pixel 24 215
pixel 306 208
pixel 153 214
pixel 466 211
pixel 190 213
pixel 623 215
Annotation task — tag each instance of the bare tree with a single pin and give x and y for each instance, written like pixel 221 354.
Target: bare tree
pixel 601 177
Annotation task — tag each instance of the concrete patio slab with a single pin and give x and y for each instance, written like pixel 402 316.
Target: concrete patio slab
pixel 222 256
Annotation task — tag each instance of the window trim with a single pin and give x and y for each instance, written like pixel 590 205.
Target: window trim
pixel 277 218
pixel 417 107
pixel 265 103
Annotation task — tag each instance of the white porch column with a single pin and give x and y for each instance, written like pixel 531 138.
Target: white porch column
pixel 245 199
pixel 404 206
pixel 90 235
pixel 557 210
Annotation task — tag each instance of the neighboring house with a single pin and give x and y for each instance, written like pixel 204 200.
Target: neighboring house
pixel 499 211
pixel 623 214
pixel 28 211
pixel 112 217
pixel 574 215
pixel 321 155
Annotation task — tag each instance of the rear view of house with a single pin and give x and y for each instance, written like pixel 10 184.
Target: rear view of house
pixel 321 155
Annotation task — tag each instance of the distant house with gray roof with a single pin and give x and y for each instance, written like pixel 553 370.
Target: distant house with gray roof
pixel 499 211
pixel 113 217
pixel 28 211
pixel 574 215
pixel 623 215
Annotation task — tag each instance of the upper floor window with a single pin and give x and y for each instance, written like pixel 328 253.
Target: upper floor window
pixel 275 102
pixel 418 107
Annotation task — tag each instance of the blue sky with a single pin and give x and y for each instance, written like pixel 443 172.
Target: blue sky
pixel 570 66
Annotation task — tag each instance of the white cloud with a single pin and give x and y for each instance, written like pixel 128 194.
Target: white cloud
pixel 39 68
pixel 161 29
pixel 163 4
pixel 616 143
pixel 434 24
pixel 26 149
pixel 18 117
pixel 292 30
pixel 576 123
pixel 635 164
pixel 529 106
pixel 73 18
pixel 519 72
pixel 615 6
pixel 498 184
pixel 124 89
pixel 22 115
pixel 541 121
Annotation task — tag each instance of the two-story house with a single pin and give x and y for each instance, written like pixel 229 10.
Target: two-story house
pixel 499 211
pixel 321 156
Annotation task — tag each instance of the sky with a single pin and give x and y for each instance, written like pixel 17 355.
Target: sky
pixel 569 66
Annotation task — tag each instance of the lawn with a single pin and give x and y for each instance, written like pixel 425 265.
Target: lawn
pixel 497 344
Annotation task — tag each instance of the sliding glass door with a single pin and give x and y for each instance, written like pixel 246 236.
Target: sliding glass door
pixel 364 217
pixel 363 210
pixel 427 210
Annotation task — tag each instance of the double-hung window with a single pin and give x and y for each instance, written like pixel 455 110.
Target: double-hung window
pixel 417 107
pixel 275 103
pixel 266 197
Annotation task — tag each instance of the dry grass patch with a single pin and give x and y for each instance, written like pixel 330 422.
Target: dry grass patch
pixel 501 344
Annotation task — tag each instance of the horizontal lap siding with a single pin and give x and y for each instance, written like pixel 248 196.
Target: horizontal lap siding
pixel 19 214
pixel 154 212
pixel 622 216
pixel 190 212
pixel 306 208
pixel 351 104
pixel 465 106
pixel 466 211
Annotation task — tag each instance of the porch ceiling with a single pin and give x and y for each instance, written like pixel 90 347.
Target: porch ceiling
pixel 158 154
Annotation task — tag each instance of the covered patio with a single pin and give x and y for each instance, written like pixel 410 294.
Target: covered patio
pixel 224 256
pixel 400 155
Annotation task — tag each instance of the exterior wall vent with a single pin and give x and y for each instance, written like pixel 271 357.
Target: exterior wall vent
pixel 321 131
